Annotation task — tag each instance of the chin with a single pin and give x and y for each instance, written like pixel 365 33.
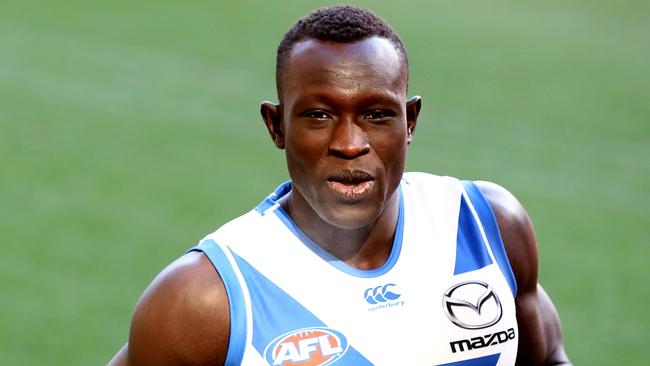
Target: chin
pixel 350 218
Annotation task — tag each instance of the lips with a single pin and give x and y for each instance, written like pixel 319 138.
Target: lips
pixel 351 185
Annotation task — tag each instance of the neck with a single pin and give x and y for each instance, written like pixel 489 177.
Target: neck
pixel 365 248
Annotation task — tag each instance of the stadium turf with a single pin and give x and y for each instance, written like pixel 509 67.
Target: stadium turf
pixel 130 129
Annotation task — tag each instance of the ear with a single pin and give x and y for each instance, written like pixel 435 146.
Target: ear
pixel 272 117
pixel 413 106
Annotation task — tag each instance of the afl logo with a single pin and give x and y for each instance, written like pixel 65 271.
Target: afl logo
pixel 472 305
pixel 307 347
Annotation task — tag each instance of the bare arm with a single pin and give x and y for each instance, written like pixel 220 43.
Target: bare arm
pixel 540 333
pixel 182 318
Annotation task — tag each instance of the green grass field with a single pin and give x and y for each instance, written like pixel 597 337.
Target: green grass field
pixel 128 130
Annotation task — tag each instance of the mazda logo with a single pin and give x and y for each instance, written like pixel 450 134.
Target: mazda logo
pixel 472 305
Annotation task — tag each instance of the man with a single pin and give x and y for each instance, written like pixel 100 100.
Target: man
pixel 353 262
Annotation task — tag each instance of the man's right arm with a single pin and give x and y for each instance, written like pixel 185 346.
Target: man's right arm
pixel 182 318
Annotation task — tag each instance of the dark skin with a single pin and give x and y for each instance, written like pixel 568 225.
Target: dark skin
pixel 343 109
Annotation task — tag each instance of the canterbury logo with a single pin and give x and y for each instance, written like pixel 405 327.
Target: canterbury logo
pixel 376 295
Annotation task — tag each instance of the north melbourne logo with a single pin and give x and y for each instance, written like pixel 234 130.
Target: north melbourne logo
pixel 472 305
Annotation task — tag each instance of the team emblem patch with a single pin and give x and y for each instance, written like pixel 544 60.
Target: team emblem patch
pixel 315 346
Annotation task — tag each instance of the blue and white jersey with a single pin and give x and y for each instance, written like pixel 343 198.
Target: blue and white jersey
pixel 445 296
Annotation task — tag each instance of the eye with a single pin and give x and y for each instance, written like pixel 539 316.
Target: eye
pixel 315 114
pixel 377 115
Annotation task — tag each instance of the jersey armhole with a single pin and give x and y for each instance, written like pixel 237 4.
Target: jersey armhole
pixel 238 327
pixel 489 222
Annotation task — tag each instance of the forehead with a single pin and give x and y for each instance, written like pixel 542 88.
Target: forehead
pixel 322 66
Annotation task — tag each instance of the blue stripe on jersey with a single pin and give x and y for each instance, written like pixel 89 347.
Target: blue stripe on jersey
pixel 471 253
pixel 490 360
pixel 276 313
pixel 285 188
pixel 237 340
pixel 341 265
pixel 486 215
pixel 271 199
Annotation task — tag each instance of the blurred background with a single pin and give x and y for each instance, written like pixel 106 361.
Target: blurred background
pixel 128 130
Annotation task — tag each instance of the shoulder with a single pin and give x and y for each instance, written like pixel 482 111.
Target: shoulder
pixel 425 178
pixel 436 186
pixel 540 339
pixel 182 317
pixel 516 231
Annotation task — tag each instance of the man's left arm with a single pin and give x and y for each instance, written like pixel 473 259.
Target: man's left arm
pixel 540 333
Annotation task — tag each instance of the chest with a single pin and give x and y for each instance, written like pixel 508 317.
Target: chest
pixel 440 298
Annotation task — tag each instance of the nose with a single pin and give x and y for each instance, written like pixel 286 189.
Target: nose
pixel 348 140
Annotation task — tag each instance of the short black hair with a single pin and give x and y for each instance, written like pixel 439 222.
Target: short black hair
pixel 341 24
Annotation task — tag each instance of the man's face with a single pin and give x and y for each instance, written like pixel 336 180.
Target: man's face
pixel 344 126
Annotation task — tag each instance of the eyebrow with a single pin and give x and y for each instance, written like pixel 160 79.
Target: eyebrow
pixel 391 100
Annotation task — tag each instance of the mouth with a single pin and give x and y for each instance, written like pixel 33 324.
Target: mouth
pixel 351 184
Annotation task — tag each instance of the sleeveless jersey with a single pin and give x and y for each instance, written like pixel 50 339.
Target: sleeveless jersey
pixel 445 296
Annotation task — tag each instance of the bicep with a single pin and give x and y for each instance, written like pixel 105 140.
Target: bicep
pixel 182 318
pixel 540 333
pixel 540 341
